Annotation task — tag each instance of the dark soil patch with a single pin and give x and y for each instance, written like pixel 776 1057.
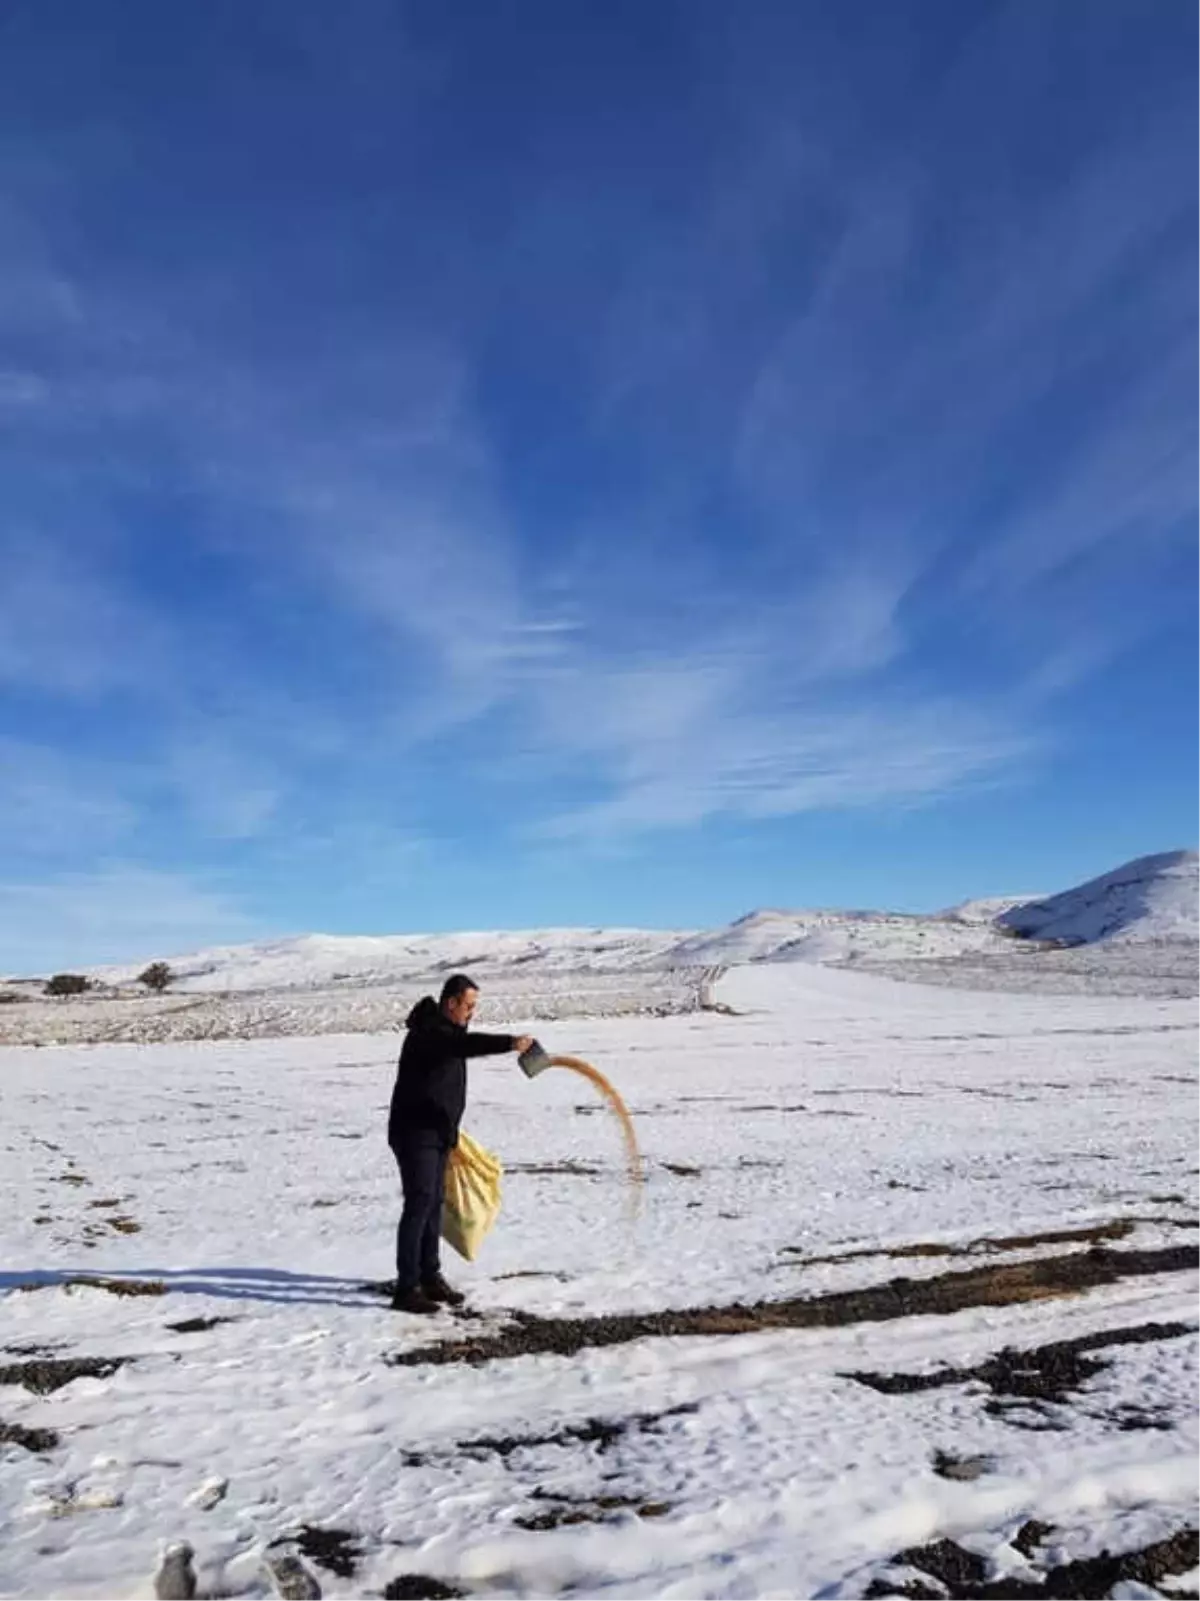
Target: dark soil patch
pixel 577 1169
pixel 125 1225
pixel 95 1204
pixel 768 1107
pixel 47 1374
pixel 1088 1579
pixel 530 1273
pixel 1046 1374
pixel 323 1202
pixel 70 1178
pixel 31 1439
pixel 1131 1418
pixel 1167 1200
pixel 118 1286
pixel 960 1571
pixel 1117 1229
pixel 335 1550
pixel 1030 1535
pixel 995 1285
pixel 869 1089
pixel 603 1433
pixel 961 1468
pixel 683 1170
pixel 599 1509
pixel 198 1325
pixel 419 1587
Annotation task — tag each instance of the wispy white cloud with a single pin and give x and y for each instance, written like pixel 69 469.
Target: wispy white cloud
pixel 228 791
pixel 66 627
pixel 935 358
pixel 396 519
pixel 116 912
pixel 19 390
pixel 824 389
pixel 56 803
pixel 675 745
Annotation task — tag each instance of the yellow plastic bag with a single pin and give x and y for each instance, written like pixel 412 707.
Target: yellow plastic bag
pixel 471 1198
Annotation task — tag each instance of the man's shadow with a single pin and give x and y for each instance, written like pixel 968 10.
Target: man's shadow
pixel 223 1283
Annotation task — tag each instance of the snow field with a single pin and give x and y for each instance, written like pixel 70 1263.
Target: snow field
pixel 789 1149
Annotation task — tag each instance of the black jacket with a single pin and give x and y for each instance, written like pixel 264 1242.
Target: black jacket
pixel 431 1080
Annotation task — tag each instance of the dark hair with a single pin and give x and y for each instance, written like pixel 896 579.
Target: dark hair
pixel 457 984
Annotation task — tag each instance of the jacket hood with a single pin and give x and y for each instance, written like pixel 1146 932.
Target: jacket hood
pixel 425 1014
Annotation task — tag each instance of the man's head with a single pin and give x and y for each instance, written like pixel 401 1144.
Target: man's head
pixel 460 996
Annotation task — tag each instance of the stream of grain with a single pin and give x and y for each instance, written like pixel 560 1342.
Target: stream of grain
pixel 633 1157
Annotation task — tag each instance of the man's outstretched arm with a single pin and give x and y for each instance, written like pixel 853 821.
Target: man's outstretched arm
pixel 485 1044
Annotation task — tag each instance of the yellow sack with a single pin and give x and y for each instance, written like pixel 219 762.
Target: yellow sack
pixel 471 1198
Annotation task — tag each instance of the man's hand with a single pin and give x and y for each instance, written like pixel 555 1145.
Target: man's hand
pixel 522 1043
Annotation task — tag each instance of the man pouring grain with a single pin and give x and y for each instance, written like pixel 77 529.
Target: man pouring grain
pixel 427 1106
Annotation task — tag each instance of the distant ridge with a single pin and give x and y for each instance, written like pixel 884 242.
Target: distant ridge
pixel 1150 898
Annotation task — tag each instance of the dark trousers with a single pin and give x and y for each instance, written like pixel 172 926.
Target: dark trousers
pixel 421 1156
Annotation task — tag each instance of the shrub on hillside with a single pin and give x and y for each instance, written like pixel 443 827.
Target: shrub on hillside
pixel 156 977
pixel 67 984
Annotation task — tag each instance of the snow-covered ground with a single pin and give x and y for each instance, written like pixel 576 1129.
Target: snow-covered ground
pixel 338 1009
pixel 835 1133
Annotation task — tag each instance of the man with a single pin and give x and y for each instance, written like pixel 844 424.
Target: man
pixel 427 1106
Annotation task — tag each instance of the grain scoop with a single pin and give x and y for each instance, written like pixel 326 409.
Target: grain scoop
pixel 535 1060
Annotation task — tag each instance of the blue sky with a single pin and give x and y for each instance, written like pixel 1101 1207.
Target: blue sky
pixel 488 465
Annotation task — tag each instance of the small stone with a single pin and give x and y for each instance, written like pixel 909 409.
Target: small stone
pixel 292 1580
pixel 963 1468
pixel 99 1499
pixel 209 1494
pixel 176 1578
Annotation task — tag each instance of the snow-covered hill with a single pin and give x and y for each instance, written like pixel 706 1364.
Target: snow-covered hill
pixel 320 960
pixel 1152 898
pixel 986 908
pixel 833 936
pixel 323 961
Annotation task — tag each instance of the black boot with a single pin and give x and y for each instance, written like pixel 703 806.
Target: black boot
pixel 437 1289
pixel 413 1300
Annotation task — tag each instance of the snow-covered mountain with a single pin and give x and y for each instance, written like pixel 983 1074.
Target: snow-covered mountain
pixel 1151 898
pixel 986 908
pixel 323 961
pixel 831 936
pixel 318 960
